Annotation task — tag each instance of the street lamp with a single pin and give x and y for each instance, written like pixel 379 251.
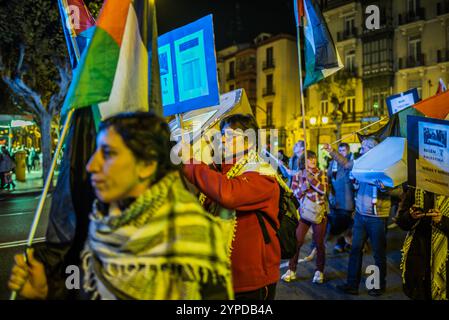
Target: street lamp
pixel 318 122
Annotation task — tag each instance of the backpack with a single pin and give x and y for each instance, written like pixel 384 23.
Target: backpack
pixel 288 218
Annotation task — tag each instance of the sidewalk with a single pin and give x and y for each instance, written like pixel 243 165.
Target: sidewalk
pixel 33 184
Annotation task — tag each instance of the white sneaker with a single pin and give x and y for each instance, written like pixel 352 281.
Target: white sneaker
pixel 309 257
pixel 289 276
pixel 318 277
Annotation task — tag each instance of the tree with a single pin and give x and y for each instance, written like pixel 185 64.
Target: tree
pixel 34 62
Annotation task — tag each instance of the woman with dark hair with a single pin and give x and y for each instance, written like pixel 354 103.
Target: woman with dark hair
pixel 148 237
pixel 310 189
pixel 247 188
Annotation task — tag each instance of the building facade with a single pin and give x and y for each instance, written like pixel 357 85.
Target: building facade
pixel 410 49
pixel 268 71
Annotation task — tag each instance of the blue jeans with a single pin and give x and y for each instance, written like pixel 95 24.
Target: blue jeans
pixel 374 229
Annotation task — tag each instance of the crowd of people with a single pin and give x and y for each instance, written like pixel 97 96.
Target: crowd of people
pixel 8 164
pixel 210 231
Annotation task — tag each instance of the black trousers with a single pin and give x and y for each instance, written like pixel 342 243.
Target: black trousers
pixel 264 293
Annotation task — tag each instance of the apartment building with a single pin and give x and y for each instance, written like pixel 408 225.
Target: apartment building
pixel 409 50
pixel 268 71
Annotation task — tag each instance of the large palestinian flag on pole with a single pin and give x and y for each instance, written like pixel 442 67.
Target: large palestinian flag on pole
pixel 321 55
pixel 119 71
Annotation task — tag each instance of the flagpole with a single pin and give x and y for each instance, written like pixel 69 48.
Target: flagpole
pixel 72 37
pixel 44 194
pixel 62 137
pixel 303 112
pixel 355 132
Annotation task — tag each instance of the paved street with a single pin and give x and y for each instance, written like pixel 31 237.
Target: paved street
pixel 335 274
pixel 16 216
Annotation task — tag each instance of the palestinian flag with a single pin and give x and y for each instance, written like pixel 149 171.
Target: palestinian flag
pixel 441 87
pixel 321 55
pixel 78 26
pixel 119 71
pixel 73 196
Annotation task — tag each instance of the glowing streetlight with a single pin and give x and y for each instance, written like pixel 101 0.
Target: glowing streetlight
pixel 324 120
pixel 313 121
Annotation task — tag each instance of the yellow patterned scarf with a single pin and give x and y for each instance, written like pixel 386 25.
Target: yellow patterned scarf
pixel 163 247
pixel 439 246
pixel 250 162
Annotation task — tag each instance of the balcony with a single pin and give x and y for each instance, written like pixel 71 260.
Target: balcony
pixel 412 16
pixel 378 69
pixel 267 92
pixel 332 4
pixel 269 64
pixel 412 62
pixel 442 8
pixel 442 56
pixel 386 25
pixel 347 34
pixel 347 74
pixel 246 67
pixel 230 76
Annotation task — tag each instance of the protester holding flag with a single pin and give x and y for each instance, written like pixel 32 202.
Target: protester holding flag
pixel 148 237
pixel 73 195
pixel 96 80
pixel 425 253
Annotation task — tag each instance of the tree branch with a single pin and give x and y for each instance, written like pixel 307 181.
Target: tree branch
pixel 63 83
pixel 20 62
pixel 16 84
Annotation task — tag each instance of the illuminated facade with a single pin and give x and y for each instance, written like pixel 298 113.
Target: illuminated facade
pixel 409 50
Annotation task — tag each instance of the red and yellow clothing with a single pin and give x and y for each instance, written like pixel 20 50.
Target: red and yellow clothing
pixel 254 264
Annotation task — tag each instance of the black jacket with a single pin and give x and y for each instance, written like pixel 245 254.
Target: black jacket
pixel 417 276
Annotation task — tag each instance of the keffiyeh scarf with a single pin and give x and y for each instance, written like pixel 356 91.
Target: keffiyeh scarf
pixel 439 247
pixel 249 163
pixel 163 246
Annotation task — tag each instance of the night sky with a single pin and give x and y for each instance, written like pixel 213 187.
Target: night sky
pixel 235 21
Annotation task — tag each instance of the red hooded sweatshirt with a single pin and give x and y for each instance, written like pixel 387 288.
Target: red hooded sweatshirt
pixel 254 263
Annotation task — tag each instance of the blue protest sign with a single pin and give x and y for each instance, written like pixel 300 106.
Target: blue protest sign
pixel 188 68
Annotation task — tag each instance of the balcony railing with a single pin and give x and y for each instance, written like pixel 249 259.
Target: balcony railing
pixel 386 23
pixel 442 8
pixel 246 67
pixel 412 16
pixel 412 61
pixel 269 64
pixel 266 92
pixel 347 74
pixel 347 34
pixel 442 56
